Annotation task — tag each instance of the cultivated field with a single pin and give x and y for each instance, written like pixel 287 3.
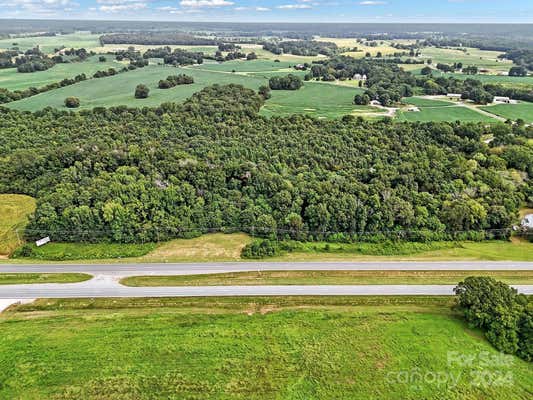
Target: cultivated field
pixel 260 348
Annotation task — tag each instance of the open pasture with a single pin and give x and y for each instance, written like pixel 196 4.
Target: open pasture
pixel 522 110
pixel 12 80
pixel 48 44
pixel 247 348
pixel 470 56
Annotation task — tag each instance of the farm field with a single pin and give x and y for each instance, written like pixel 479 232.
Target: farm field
pixel 445 113
pixel 480 58
pixel 501 79
pixel 247 66
pixel 119 89
pixel 522 110
pixel 328 278
pixel 425 102
pixel 317 99
pixel 14 212
pixel 12 80
pixel 243 348
pixel 47 44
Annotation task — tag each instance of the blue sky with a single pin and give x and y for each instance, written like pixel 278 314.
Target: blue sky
pixel 276 10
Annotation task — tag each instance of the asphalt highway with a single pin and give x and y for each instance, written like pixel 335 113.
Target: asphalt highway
pixel 105 282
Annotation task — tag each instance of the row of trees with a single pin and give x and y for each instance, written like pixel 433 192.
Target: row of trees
pixel 301 47
pixel 174 80
pixel 7 96
pixel 128 175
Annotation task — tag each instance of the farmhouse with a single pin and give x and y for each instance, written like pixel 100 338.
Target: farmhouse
pixel 527 222
pixel 454 96
pixel 359 77
pixel 502 99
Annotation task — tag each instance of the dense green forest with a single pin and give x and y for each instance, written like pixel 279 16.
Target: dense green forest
pixel 210 163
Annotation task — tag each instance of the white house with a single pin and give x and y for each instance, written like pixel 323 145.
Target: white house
pixel 502 99
pixel 359 77
pixel 454 96
pixel 527 221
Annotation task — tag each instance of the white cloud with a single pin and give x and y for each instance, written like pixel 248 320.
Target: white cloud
pixel 122 7
pixel 205 3
pixel 252 9
pixel 372 3
pixel 293 6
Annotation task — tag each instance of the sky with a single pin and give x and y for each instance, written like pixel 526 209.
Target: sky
pixel 444 11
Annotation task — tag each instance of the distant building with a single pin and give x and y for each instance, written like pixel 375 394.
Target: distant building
pixel 413 109
pixel 359 77
pixel 300 67
pixel 454 96
pixel 502 99
pixel 527 221
pixel 375 103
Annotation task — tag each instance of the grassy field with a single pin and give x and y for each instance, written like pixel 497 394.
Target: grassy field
pixel 219 247
pixel 446 113
pixel 14 279
pixel 13 80
pixel 246 348
pixel 119 89
pixel 425 102
pixel 480 58
pixel 328 278
pixel 248 66
pixel 14 212
pixel 85 251
pixel 523 110
pixel 47 44
pixel 317 99
pixel 501 79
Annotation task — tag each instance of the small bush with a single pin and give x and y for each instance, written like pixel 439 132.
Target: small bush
pixel 141 91
pixel 72 102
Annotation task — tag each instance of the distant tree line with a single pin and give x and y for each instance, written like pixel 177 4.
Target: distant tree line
pixel 155 38
pixel 212 163
pixel 301 47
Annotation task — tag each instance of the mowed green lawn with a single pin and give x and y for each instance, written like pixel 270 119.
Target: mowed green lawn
pixel 13 80
pixel 251 348
pixel 522 110
pixel 47 44
pixel 425 102
pixel 447 113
